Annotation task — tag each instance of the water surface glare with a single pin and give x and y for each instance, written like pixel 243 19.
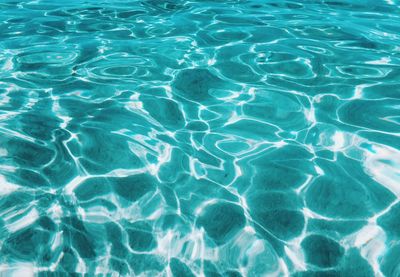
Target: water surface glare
pixel 200 138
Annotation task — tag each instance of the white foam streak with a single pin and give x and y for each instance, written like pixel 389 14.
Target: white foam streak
pixel 24 221
pixel 371 242
pixel 7 187
pixel 383 164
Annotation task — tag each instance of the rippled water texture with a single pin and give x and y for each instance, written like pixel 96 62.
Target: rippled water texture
pixel 200 138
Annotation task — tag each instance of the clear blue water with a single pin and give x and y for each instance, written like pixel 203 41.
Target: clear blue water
pixel 200 138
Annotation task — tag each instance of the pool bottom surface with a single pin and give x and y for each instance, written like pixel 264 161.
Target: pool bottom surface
pixel 199 138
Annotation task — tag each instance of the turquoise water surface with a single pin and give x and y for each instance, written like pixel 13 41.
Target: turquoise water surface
pixel 199 138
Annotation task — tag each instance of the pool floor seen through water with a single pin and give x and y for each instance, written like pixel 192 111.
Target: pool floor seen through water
pixel 199 138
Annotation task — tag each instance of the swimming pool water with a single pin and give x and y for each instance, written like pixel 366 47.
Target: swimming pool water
pixel 199 138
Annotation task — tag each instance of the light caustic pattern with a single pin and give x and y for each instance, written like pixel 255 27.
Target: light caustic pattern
pixel 199 138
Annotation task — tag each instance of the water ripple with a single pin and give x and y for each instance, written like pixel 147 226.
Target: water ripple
pixel 199 138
